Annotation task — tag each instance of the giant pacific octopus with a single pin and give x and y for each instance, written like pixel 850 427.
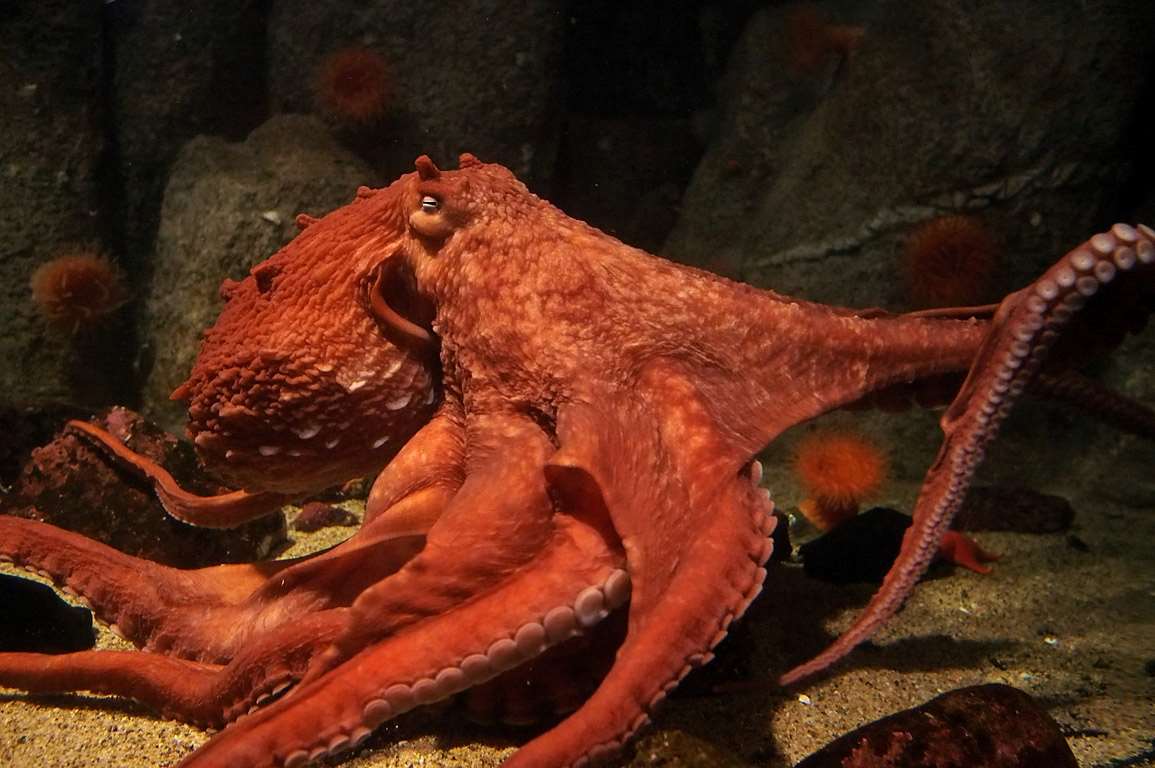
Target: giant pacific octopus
pixel 568 428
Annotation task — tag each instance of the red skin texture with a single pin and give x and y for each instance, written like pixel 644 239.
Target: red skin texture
pixel 296 366
pixel 595 412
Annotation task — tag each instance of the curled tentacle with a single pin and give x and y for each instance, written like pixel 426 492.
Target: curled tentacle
pixel 652 465
pixel 1025 327
pixel 226 510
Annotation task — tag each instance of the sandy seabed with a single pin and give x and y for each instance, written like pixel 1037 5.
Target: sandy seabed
pixel 1074 628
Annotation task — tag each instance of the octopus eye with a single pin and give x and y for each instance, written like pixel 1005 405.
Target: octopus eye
pixel 430 204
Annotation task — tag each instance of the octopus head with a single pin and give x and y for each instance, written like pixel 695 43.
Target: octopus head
pixel 476 199
pixel 299 385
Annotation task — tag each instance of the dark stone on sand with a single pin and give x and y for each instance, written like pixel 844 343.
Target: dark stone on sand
pixel 1074 542
pixel 1019 510
pixel 316 515
pixel 992 726
pixel 36 620
pixel 781 537
pixel 860 550
pixel 72 484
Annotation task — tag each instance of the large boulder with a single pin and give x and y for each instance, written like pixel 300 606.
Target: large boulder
pixel 180 70
pixel 814 182
pixel 227 207
pixel 477 76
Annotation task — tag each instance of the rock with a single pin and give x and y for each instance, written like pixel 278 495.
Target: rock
pixel 992 726
pixel 36 620
pixel 51 146
pixel 935 113
pixel 227 207
pixel 862 549
pixel 765 107
pixel 316 515
pixel 626 175
pixel 994 508
pixel 474 77
pixel 26 428
pixel 180 71
pixel 72 484
pixel 781 536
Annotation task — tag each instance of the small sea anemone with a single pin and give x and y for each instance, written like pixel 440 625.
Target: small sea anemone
pixel 839 470
pixel 77 289
pixel 950 262
pixel 812 38
pixel 353 86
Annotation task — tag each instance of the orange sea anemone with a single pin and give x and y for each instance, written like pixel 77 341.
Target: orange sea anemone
pixel 950 262
pixel 839 470
pixel 353 86
pixel 812 38
pixel 77 289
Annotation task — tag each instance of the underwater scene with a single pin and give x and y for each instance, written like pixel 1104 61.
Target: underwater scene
pixel 735 383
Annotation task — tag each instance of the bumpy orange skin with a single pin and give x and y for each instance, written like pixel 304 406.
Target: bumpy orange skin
pixel 296 388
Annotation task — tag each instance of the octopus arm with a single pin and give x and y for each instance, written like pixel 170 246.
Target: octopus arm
pixel 1110 406
pixel 495 523
pixel 207 613
pixel 142 600
pixel 416 486
pixel 225 510
pixel 569 587
pixel 505 574
pixel 406 501
pixel 205 695
pixel 695 530
pixel 1023 331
